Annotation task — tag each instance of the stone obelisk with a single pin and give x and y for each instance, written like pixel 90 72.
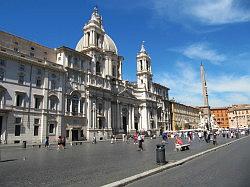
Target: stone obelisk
pixel 206 107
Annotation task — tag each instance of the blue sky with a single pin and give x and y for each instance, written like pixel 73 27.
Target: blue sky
pixel 178 35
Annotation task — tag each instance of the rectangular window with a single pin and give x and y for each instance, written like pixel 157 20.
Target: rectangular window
pixel 82 64
pixel 114 71
pixel 17 130
pixel 32 54
pixel 81 106
pixel 36 130
pixel 67 133
pixel 20 79
pixel 51 128
pixel 53 84
pixel 38 102
pixel 19 100
pixel 38 82
pixel 68 105
pixel 18 120
pixel 36 121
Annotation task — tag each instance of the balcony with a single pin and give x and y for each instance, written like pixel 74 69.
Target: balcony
pixel 97 81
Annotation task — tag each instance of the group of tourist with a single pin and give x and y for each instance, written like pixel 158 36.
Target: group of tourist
pixel 138 138
pixel 61 142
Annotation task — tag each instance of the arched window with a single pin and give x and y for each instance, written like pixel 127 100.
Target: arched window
pixel 53 102
pixel 98 68
pixel 75 104
pixel 100 109
pixel 141 64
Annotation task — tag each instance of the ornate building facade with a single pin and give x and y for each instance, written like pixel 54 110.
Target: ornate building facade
pixel 220 115
pixel 239 116
pixel 184 117
pixel 78 93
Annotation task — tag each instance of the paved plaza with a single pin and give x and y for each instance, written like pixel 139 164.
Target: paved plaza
pixel 87 164
pixel 228 166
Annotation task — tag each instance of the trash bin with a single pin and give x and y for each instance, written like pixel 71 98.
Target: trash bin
pixel 24 144
pixel 160 154
pixel 237 135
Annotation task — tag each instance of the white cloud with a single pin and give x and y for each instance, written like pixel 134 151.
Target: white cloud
pixel 208 12
pixel 224 83
pixel 203 52
pixel 223 90
pixel 219 12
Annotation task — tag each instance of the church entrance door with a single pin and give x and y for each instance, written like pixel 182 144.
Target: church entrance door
pixel 74 135
pixel 124 121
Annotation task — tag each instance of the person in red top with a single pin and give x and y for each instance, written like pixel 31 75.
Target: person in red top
pixel 178 140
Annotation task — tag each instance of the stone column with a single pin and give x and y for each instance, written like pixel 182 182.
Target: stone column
pixel 133 117
pixel 70 109
pixel 129 126
pixel 70 134
pixel 79 106
pixel 121 120
pixel 109 114
pixel 118 116
pixel 89 113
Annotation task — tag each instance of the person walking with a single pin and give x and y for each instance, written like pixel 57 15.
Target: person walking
pixel 214 138
pixel 135 137
pixel 140 140
pixel 200 136
pixel 46 142
pixel 59 142
pixel 112 139
pixel 63 142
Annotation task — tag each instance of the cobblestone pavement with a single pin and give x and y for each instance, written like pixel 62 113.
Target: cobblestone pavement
pixel 87 164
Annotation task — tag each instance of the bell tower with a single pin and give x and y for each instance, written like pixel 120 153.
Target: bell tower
pixel 144 72
pixel 93 31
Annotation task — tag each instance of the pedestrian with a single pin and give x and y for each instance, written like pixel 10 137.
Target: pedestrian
pixel 200 135
pixel 215 138
pixel 135 137
pixel 140 140
pixel 123 137
pixel 63 142
pixel 232 134
pixel 46 142
pixel 112 139
pixel 164 137
pixel 59 142
pixel 127 138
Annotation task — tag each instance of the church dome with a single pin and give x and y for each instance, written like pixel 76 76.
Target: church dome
pixel 108 45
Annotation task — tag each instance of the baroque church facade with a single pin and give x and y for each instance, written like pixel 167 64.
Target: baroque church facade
pixel 77 93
